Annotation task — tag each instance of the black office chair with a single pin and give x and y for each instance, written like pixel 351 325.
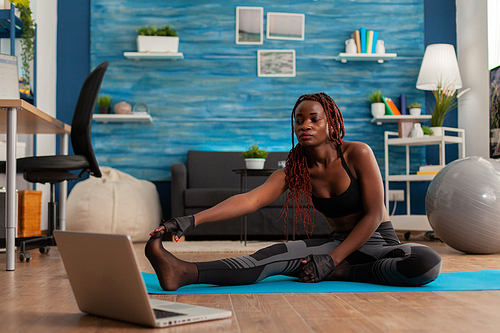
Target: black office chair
pixel 55 169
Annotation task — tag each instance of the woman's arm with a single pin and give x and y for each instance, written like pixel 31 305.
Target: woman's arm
pixel 361 158
pixel 245 203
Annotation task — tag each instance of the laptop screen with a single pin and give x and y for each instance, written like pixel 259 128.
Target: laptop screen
pixel 9 81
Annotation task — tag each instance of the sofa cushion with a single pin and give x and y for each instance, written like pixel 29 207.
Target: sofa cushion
pixel 207 197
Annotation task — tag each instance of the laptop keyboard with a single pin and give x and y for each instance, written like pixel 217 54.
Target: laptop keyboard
pixel 159 314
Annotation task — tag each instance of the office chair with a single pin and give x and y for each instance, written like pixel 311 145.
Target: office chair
pixel 55 169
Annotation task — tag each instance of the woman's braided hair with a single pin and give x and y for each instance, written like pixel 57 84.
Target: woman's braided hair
pixel 297 172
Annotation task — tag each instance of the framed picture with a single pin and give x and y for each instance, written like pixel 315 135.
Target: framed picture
pixel 405 126
pixel 278 63
pixel 495 112
pixel 285 26
pixel 249 25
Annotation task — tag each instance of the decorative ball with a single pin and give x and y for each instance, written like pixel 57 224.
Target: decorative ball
pixel 122 108
pixel 463 205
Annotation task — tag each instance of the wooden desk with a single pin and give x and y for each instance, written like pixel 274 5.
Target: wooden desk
pixel 18 116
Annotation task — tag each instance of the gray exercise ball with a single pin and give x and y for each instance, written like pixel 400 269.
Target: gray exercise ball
pixel 463 205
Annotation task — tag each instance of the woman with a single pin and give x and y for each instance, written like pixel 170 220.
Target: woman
pixel 342 180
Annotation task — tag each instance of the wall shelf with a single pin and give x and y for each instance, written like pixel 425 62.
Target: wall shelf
pixel 380 58
pixel 394 119
pixel 122 118
pixel 154 55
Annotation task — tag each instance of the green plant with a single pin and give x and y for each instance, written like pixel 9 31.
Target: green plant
pixel 446 97
pixel 104 101
pixel 28 36
pixel 427 130
pixel 375 97
pixel 415 106
pixel 254 152
pixel 153 31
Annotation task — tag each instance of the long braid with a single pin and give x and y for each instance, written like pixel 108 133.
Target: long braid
pixel 297 172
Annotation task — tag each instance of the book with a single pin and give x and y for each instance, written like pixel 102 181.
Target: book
pixel 362 36
pixel 427 172
pixel 393 107
pixel 369 41
pixel 358 40
pixel 403 104
pixel 374 43
pixel 388 111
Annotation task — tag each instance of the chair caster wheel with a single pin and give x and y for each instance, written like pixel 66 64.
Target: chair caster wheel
pixel 44 250
pixel 25 256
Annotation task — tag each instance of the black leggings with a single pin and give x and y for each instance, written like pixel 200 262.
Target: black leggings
pixel 381 260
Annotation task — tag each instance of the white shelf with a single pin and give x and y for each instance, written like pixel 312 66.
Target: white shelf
pixel 412 177
pixel 394 119
pixel 380 58
pixel 154 55
pixel 426 140
pixel 410 222
pixel 122 118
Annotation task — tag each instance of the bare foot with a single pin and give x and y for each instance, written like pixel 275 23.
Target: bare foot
pixel 172 273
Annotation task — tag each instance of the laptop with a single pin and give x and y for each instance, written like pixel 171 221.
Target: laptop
pixel 104 274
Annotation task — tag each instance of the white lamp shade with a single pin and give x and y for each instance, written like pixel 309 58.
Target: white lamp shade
pixel 439 66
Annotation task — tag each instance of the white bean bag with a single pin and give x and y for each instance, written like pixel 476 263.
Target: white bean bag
pixel 117 203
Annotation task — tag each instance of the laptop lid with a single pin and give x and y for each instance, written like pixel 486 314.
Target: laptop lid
pixel 105 278
pixel 9 79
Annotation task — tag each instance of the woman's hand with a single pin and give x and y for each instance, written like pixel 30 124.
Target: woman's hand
pixel 316 268
pixel 178 225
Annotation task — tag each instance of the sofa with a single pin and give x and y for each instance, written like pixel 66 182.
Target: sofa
pixel 207 179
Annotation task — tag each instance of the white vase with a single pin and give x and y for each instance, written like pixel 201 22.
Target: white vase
pixel 378 110
pixel 417 131
pixel 255 163
pixel 415 111
pixel 438 131
pixel 157 44
pixel 380 47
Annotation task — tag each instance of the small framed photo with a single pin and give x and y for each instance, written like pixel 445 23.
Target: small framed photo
pixel 285 26
pixel 405 126
pixel 277 63
pixel 249 25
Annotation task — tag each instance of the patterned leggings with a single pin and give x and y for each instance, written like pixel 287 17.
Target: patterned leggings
pixel 381 260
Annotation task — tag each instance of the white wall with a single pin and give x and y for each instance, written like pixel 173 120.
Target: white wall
pixel 45 15
pixel 493 33
pixel 472 53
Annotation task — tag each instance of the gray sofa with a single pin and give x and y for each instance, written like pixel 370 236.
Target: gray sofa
pixel 208 179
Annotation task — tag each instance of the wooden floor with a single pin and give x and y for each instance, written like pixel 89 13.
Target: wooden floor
pixel 37 297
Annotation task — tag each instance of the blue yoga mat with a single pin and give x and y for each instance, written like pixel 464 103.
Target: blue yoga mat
pixel 477 280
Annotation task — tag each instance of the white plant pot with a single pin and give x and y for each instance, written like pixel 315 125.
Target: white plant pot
pixel 255 163
pixel 415 112
pixel 157 44
pixel 438 131
pixel 378 110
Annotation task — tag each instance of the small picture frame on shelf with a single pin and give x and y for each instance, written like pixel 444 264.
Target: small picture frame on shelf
pixel 277 63
pixel 285 26
pixel 405 126
pixel 249 25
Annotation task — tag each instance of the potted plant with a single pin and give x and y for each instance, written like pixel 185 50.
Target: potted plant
pixel 255 158
pixel 378 106
pixel 158 40
pixel 415 109
pixel 446 97
pixel 427 130
pixel 104 103
pixel 28 36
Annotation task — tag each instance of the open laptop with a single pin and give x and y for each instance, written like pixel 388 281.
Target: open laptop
pixel 104 274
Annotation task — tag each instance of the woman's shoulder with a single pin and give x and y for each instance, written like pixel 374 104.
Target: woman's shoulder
pixel 356 149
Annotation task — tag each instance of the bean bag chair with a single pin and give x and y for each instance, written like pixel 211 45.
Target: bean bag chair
pixel 117 203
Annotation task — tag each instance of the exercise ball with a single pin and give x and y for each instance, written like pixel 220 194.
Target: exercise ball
pixel 463 205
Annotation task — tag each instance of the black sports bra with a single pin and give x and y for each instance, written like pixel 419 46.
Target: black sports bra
pixel 343 204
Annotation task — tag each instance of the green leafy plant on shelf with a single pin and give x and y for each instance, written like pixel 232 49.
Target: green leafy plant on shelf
pixel 427 130
pixel 415 106
pixel 28 36
pixel 254 152
pixel 375 97
pixel 104 101
pixel 446 97
pixel 164 31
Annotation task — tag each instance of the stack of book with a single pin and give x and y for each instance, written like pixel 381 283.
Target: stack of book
pixel 390 108
pixel 366 40
pixel 429 169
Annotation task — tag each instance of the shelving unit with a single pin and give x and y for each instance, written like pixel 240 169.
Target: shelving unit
pixel 394 119
pixel 153 56
pixel 409 221
pixel 122 118
pixel 380 58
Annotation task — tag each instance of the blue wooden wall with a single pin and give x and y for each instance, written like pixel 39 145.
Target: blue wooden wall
pixel 214 100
